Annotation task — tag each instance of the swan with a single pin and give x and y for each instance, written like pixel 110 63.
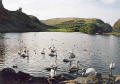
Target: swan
pixel 53 54
pixel 25 54
pixel 51 67
pixel 72 55
pixel 53 50
pixel 52 72
pixel 43 52
pixel 90 71
pixel 66 60
pixel 74 68
pixel 112 67
pixel 19 52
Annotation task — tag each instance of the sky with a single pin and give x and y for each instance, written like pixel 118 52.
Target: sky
pixel 107 10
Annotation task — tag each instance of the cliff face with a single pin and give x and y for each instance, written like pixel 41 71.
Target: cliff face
pixel 17 21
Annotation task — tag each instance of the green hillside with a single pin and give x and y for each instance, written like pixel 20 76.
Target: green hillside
pixel 17 21
pixel 86 25
pixel 116 26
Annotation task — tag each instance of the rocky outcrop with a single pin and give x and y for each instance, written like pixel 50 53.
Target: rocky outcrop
pixel 9 76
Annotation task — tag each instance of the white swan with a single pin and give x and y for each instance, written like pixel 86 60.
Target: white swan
pixel 112 67
pixel 66 60
pixel 43 52
pixel 90 71
pixel 52 72
pixel 53 54
pixel 72 55
pixel 74 68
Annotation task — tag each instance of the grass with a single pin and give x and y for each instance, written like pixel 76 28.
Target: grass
pixel 55 21
pixel 113 33
pixel 59 30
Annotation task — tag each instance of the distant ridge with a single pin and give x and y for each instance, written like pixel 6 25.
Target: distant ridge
pixel 73 24
pixel 55 21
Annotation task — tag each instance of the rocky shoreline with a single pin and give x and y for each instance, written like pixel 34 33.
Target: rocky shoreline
pixel 9 76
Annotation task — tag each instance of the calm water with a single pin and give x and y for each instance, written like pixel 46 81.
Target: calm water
pixel 96 51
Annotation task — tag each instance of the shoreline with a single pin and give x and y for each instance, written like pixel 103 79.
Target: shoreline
pixel 112 33
pixel 8 76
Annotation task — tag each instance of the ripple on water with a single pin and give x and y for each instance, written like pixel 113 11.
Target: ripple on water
pixel 92 51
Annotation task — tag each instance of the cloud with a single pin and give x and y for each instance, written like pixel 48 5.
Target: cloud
pixel 108 1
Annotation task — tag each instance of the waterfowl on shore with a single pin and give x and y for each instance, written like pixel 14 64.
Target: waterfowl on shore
pixel 52 72
pixel 48 68
pixel 112 67
pixel 90 71
pixel 74 68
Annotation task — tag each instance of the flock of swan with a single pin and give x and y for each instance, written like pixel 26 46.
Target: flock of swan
pixel 72 69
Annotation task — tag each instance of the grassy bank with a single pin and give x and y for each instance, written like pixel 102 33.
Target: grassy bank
pixel 112 33
pixel 60 30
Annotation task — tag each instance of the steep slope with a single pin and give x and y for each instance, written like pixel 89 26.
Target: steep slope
pixel 17 21
pixel 116 26
pixel 86 25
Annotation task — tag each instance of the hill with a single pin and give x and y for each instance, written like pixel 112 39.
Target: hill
pixel 116 26
pixel 86 25
pixel 17 21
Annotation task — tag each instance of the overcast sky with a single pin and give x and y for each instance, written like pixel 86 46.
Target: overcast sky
pixel 107 10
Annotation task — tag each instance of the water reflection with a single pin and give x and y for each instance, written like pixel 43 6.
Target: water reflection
pixel 2 50
pixel 95 51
